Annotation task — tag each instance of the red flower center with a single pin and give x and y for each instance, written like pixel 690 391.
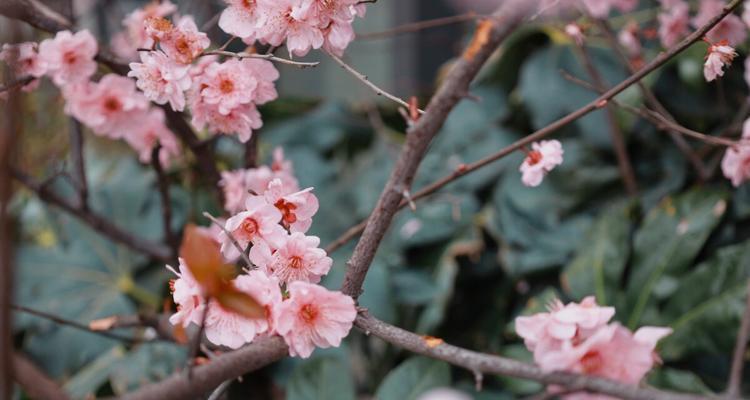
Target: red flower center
pixel 534 157
pixel 249 227
pixel 112 104
pixel 287 211
pixel 295 262
pixel 591 362
pixel 308 312
pixel 70 57
pixel 226 86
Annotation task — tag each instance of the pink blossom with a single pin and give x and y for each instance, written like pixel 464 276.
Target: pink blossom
pixel 673 22
pixel 150 131
pixel 612 352
pixel 135 36
pixel 284 170
pixel 69 57
pixel 241 120
pixel 161 80
pixel 746 13
pixel 228 85
pixel 24 61
pixel 258 223
pixel 265 74
pixel 188 296
pixel 747 70
pixel 297 209
pixel 543 157
pixel 736 162
pixel 184 43
pixel 283 21
pixel 109 107
pixel 297 259
pixel 731 28
pixel 241 19
pixel 575 32
pixel 227 328
pixel 562 323
pixel 234 185
pixel 314 317
pixel 628 39
pixel 719 55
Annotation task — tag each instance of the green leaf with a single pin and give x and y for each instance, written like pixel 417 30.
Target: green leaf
pixel 148 362
pixel 706 308
pixel 412 378
pixel 600 261
pixel 324 378
pixel 666 244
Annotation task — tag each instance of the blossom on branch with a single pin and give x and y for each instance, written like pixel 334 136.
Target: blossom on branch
pixel 674 21
pixel 543 158
pixel 69 57
pixel 730 28
pixel 297 259
pixel 161 79
pixel 736 162
pixel 719 55
pixel 135 36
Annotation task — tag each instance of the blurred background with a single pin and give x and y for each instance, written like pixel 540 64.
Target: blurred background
pixel 465 263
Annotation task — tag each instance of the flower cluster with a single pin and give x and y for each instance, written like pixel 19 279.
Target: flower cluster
pixel 301 24
pixel 543 158
pixel 110 107
pixel 271 216
pixel 579 338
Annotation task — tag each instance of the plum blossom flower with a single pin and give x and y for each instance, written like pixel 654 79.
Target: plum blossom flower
pixel 161 80
pixel 241 18
pixel 135 36
pixel 736 162
pixel 562 323
pixel 24 61
pixel 228 85
pixel 188 296
pixel 674 21
pixel 575 32
pixel 233 183
pixel 227 328
pixel 241 120
pixel 719 55
pixel 69 57
pixel 543 157
pixel 259 223
pixel 628 39
pixel 184 43
pixel 313 317
pixel 150 131
pixel 731 28
pixel 109 107
pixel 611 352
pixel 297 209
pixel 297 259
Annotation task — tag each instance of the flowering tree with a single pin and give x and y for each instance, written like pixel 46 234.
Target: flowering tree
pixel 648 298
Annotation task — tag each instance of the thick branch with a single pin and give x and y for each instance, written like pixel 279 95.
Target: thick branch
pixel 541 133
pixel 162 182
pixel 95 221
pixel 490 33
pixel 34 382
pixel 480 363
pixel 205 378
pixel 36 14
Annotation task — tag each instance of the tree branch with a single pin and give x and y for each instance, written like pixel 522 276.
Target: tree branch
pixel 36 14
pixel 491 364
pixel 541 133
pixel 79 166
pixel 740 347
pixel 95 221
pixel 34 382
pixel 162 182
pixel 420 25
pixel 490 33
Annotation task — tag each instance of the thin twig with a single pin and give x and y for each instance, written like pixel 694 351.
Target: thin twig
pixel 269 57
pixel 231 237
pixel 162 182
pixel 35 383
pixel 363 79
pixel 74 324
pixel 220 390
pixel 618 141
pixel 740 348
pixel 464 169
pixel 420 25
pixel 93 220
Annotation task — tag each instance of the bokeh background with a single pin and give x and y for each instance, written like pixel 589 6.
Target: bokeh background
pixel 465 263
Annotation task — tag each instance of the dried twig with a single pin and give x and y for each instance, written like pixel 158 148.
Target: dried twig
pixel 740 348
pixel 269 57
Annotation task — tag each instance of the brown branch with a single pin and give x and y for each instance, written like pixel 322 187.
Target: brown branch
pixel 166 204
pixel 16 83
pixel 420 25
pixel 618 141
pixel 36 14
pixel 79 166
pixel 653 102
pixel 659 120
pixel 488 36
pixel 740 348
pixel 251 150
pixel 258 354
pixel 35 383
pixel 485 363
pixel 93 220
pixel 541 133
pixel 363 78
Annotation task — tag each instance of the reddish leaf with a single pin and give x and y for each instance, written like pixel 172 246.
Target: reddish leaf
pixel 203 258
pixel 239 302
